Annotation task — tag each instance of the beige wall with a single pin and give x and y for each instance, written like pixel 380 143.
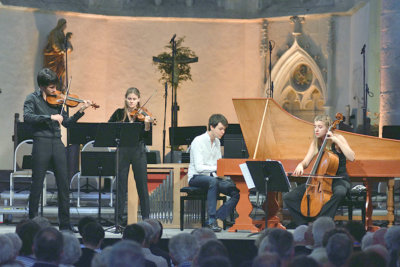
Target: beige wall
pixel 114 53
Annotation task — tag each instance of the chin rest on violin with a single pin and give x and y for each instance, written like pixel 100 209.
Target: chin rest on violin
pixel 71 100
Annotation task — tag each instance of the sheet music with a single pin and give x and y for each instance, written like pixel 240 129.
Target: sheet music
pixel 247 176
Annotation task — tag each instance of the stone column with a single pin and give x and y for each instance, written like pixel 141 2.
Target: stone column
pixel 390 63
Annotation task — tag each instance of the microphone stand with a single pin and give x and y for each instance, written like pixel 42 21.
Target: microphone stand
pixel 173 98
pixel 366 93
pixel 271 83
pixel 165 118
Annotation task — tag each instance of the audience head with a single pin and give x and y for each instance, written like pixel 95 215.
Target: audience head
pixel 299 234
pixel 356 229
pixel 156 230
pixel 202 235
pixel 279 241
pixel 308 236
pixel 103 258
pixel 83 221
pixel 381 250
pixel 148 233
pixel 93 235
pixel 335 231
pixel 320 227
pixel 126 253
pixel 72 249
pixel 16 242
pixel 367 240
pixel 392 241
pixel 216 261
pixel 339 249
pixel 267 259
pixel 182 248
pixel 211 248
pixel 379 236
pixel 26 230
pixel 261 236
pixel 366 259
pixel 134 232
pixel 48 245
pixel 303 261
pixel 42 222
pixel 6 249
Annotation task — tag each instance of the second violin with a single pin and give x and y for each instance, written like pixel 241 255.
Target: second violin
pixel 139 114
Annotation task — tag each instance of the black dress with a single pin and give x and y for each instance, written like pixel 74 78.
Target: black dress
pixel 340 187
pixel 137 157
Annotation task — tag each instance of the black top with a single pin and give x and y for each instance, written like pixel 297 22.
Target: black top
pixel 37 112
pixel 341 171
pixel 118 116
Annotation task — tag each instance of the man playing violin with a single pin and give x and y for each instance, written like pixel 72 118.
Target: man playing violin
pixel 337 144
pixel 132 112
pixel 46 121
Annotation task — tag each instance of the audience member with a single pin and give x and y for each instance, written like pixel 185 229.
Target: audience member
pixel 303 261
pixel 300 243
pixel 83 221
pixel 92 237
pixel 154 246
pixel 42 222
pixel 202 235
pixel 183 248
pixel 319 228
pixel 281 242
pixel 379 236
pixel 216 261
pixel 367 240
pixel 48 247
pixel 339 249
pixel 6 250
pixel 330 233
pixel 126 253
pixel 102 258
pixel 381 250
pixel 148 234
pixel 72 250
pixel 212 248
pixel 357 231
pixel 366 259
pixel 261 236
pixel 392 240
pixel 267 259
pixel 26 230
pixel 16 242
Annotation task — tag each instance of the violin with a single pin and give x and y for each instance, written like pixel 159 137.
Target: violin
pixel 319 190
pixel 71 100
pixel 139 114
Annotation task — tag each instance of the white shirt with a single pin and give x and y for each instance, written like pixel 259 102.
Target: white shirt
pixel 204 155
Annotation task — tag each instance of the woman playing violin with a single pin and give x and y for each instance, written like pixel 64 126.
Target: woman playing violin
pixel 337 144
pixel 46 121
pixel 133 155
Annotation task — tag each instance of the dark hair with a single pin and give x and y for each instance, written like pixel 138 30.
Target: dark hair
pixel 356 229
pixel 333 231
pixel 83 222
pixel 215 119
pixel 303 261
pixel 210 249
pixel 339 248
pixel 47 77
pixel 134 232
pixel 93 233
pixel 26 230
pixel 48 245
pixel 367 259
pixel 281 242
pixel 270 259
pixel 216 261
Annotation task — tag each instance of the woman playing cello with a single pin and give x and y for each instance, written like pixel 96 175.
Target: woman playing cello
pixel 338 145
pixel 131 112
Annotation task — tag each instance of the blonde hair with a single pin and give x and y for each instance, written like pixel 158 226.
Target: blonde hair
pixel 134 91
pixel 327 122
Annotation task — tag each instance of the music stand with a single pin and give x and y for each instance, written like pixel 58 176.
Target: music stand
pixel 268 176
pixel 98 164
pixel 117 134
pixel 185 135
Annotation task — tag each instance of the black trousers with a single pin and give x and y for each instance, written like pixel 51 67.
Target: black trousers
pixel 44 151
pixel 293 199
pixel 137 157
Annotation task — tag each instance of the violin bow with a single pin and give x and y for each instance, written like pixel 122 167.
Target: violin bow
pixel 66 95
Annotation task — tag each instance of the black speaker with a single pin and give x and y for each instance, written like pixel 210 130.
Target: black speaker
pixel 153 157
pixel 391 131
pixel 234 146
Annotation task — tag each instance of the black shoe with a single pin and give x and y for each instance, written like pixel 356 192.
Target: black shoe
pixel 214 226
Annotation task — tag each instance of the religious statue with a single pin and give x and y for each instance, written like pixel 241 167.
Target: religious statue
pixel 57 44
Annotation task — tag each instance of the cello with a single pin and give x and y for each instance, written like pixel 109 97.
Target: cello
pixel 319 190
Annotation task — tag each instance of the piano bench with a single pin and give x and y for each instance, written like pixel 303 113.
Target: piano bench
pixel 355 198
pixel 196 193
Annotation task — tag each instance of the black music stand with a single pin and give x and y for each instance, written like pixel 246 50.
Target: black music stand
pixel 117 134
pixel 80 134
pixel 268 176
pixel 98 164
pixel 184 136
